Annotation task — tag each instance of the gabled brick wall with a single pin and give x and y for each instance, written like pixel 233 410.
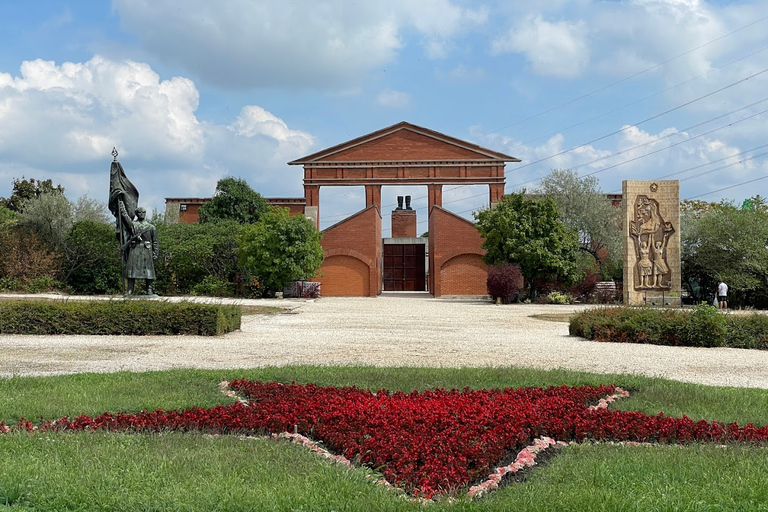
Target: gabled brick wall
pixel 353 254
pixel 456 264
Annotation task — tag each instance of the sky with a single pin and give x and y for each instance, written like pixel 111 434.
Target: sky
pixel 191 92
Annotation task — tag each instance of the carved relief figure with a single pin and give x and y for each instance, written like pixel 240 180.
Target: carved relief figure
pixel 646 266
pixel 650 234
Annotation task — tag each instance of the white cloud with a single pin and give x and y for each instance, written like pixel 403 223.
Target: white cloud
pixel 61 122
pixel 553 49
pixel 393 99
pixel 298 44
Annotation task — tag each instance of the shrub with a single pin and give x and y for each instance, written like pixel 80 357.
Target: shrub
pixel 703 326
pixel 131 317
pixel 559 298
pixel 213 287
pixel 585 289
pixel 505 282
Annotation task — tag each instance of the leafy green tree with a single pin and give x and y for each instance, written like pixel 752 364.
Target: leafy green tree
pixel 723 241
pixel 49 218
pixel 26 189
pixel 586 209
pixel 528 231
pixel 91 260
pixel 94 210
pixel 234 200
pixel 191 254
pixel 6 216
pixel 279 249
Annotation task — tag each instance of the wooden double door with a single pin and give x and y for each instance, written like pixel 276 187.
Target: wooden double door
pixel 404 267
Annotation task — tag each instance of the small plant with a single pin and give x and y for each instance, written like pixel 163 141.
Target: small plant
pixel 42 284
pixel 559 298
pixel 8 284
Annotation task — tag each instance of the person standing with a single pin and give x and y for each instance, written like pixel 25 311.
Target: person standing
pixel 722 295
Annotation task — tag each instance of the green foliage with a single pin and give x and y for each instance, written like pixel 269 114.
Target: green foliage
pixel 130 317
pixel 26 189
pixel 6 216
pixel 724 242
pixel 279 249
pixel 586 209
pixel 91 262
pixel 234 200
pixel 213 287
pixel 703 326
pixel 49 217
pixel 190 254
pixel 528 231
pixel 559 298
pixel 93 210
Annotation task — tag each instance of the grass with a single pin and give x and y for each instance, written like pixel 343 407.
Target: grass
pixel 90 471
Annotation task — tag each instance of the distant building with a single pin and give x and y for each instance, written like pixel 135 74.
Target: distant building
pixel 358 261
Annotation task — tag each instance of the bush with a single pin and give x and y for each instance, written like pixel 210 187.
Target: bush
pixel 559 298
pixel 703 326
pixel 213 287
pixel 585 289
pixel 505 282
pixel 92 259
pixel 131 317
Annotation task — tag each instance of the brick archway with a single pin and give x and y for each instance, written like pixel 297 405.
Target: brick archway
pixel 404 154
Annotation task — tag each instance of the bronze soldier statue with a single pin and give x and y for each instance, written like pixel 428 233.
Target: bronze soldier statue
pixel 138 238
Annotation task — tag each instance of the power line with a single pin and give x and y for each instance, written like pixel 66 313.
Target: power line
pixel 569 102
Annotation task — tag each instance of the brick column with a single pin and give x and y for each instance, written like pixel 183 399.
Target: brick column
pixel 373 196
pixel 435 196
pixel 312 208
pixel 496 192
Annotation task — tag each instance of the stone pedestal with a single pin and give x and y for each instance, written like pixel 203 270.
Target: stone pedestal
pixel 651 233
pixel 404 224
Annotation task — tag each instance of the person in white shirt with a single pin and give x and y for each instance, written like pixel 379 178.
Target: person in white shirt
pixel 722 295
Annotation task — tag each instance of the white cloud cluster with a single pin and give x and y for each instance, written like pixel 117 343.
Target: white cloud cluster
pixel 62 121
pixel 556 49
pixel 297 44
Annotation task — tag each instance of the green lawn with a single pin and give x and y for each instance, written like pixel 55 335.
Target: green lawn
pixel 102 471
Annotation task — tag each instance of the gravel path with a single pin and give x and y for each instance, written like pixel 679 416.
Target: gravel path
pixel 391 330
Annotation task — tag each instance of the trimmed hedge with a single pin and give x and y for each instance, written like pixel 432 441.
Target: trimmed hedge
pixel 131 317
pixel 703 326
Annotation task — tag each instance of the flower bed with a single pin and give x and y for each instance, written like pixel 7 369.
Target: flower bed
pixel 430 442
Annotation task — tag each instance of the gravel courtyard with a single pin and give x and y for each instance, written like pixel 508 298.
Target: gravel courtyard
pixel 391 330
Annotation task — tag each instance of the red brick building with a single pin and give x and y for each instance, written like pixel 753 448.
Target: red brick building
pixel 358 262
pixel 403 154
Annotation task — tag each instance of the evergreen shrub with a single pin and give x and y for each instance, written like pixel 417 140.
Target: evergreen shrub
pixel 703 326
pixel 116 317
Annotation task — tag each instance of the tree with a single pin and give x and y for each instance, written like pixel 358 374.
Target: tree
pixel 49 218
pixel 279 249
pixel 528 231
pixel 586 209
pixel 26 189
pixel 193 253
pixel 94 210
pixel 730 243
pixel 234 200
pixel 91 261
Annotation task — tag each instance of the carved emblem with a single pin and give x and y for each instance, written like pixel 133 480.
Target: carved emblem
pixel 650 233
pixel 654 187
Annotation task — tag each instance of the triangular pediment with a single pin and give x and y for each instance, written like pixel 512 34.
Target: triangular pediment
pixel 404 142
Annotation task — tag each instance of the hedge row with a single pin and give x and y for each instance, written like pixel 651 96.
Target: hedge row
pixel 703 326
pixel 131 317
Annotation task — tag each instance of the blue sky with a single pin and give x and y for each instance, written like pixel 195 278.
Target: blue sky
pixel 193 91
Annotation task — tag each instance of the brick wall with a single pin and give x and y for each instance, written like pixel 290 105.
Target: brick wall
pixel 353 256
pixel 455 256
